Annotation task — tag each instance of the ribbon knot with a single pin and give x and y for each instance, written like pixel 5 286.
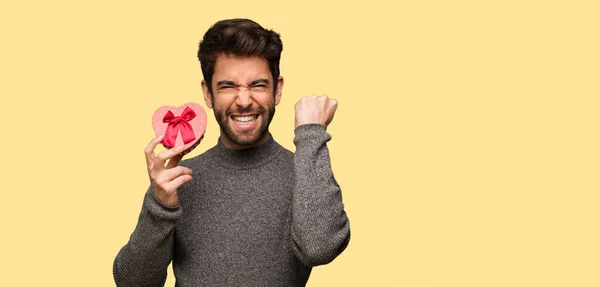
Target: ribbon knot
pixel 179 124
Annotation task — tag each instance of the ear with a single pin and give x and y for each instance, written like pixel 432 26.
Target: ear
pixel 278 89
pixel 207 95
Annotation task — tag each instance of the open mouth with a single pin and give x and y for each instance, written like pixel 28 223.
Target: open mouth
pixel 245 121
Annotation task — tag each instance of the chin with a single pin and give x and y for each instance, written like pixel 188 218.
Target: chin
pixel 250 140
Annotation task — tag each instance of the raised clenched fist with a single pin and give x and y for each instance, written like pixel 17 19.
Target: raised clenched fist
pixel 315 110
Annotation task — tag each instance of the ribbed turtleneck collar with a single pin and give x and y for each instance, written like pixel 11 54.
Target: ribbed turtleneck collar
pixel 246 158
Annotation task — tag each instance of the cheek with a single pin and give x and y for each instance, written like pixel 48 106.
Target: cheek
pixel 265 100
pixel 222 102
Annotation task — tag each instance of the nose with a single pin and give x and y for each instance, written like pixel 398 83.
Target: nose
pixel 244 97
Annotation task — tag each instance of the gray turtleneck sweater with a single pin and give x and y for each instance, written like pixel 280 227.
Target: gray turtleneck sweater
pixel 257 217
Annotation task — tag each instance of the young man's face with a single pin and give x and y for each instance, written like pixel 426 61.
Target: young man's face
pixel 243 99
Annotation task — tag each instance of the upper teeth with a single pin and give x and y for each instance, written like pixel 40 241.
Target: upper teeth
pixel 244 119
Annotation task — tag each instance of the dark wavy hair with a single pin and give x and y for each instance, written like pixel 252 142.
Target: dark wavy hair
pixel 241 37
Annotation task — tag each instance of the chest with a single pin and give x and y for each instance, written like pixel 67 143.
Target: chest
pixel 237 213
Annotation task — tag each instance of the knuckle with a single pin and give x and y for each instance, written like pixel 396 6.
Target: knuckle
pixel 175 170
pixel 162 156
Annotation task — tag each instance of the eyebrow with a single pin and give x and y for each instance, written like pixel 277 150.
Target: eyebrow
pixel 259 81
pixel 225 83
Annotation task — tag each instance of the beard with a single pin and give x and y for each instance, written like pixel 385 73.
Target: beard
pixel 247 137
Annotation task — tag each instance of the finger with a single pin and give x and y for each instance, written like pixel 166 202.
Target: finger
pixel 332 105
pixel 302 102
pixel 149 151
pixel 177 182
pixel 168 175
pixel 174 160
pixel 163 156
pixel 322 102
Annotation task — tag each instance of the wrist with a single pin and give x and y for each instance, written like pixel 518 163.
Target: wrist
pixel 165 200
pixel 311 133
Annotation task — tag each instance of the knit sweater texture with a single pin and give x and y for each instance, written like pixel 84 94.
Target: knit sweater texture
pixel 257 217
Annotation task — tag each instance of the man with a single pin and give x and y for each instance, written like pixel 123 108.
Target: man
pixel 247 212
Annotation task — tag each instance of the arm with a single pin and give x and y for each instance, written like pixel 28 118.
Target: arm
pixel 320 227
pixel 145 258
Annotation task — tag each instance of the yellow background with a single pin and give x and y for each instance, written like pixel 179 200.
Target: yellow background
pixel 466 139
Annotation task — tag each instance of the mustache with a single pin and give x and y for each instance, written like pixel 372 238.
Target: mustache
pixel 246 110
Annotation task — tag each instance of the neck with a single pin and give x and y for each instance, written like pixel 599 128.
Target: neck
pixel 246 158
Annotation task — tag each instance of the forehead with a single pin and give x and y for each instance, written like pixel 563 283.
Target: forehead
pixel 240 69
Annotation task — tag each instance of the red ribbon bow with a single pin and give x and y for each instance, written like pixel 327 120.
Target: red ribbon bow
pixel 179 124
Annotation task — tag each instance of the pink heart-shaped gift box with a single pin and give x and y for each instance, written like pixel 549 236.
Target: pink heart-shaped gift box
pixel 188 121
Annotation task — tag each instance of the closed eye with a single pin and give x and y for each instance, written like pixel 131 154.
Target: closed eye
pixel 225 84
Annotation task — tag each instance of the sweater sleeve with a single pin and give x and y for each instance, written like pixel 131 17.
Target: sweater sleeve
pixel 320 227
pixel 143 261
